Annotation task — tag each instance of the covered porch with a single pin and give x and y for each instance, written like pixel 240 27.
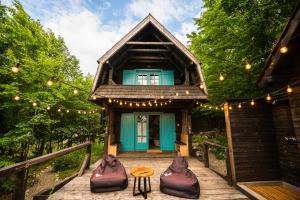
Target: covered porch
pixel 212 186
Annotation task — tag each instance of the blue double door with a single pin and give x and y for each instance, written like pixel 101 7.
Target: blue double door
pixel 134 134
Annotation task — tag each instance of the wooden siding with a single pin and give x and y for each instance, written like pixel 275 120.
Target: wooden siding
pixel 149 92
pixel 289 156
pixel 253 143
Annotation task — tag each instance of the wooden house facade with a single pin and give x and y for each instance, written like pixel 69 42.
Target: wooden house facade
pixel 147 84
pixel 264 139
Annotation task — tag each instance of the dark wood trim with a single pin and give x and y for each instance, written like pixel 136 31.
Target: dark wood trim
pixel 149 43
pixel 148 50
pixel 147 58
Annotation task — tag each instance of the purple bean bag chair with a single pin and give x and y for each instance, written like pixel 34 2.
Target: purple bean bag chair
pixel 179 181
pixel 109 176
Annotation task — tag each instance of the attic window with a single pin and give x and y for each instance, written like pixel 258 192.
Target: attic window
pixel 142 79
pixel 154 79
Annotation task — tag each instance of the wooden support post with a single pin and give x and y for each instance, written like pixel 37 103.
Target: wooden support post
pixel 205 155
pixel 228 168
pixel 110 76
pixel 89 154
pixel 20 186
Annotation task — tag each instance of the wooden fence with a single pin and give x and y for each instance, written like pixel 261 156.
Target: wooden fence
pixel 206 146
pixel 21 168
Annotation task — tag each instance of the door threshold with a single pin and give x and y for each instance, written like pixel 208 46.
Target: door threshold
pixel 154 151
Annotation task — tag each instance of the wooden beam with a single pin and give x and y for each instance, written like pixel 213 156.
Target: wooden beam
pixel 149 50
pixel 229 140
pixel 147 58
pixel 149 43
pixel 148 61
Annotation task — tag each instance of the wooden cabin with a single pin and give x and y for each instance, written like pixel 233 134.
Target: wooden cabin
pixel 147 84
pixel 264 139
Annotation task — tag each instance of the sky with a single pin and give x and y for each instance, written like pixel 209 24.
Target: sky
pixel 91 27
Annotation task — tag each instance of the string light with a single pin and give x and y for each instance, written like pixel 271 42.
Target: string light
pixel 268 98
pixel 221 77
pixel 121 103
pixel 34 104
pixel 289 89
pixel 284 49
pixel 201 86
pixel 94 97
pixel 248 66
pixel 48 107
pixel 161 97
pixel 109 101
pixel 59 110
pixel 240 105
pixel 187 92
pixel 155 101
pixel 230 107
pixel 130 104
pixel 16 68
pixel 176 94
pixel 79 112
pixel 17 98
pixel 68 111
pixel 252 102
pixel 50 82
pixel 75 91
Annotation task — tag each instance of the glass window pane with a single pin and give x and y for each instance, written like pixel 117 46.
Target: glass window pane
pixel 154 79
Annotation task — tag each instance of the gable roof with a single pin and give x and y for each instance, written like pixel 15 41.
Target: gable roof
pixel 275 55
pixel 149 19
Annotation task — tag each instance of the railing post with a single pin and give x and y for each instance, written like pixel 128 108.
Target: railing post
pixel 20 185
pixel 205 155
pixel 228 167
pixel 88 153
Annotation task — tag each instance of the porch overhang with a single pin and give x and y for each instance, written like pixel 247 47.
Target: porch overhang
pixel 177 92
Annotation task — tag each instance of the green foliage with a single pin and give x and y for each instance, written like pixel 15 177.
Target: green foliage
pixel 232 33
pixel 27 131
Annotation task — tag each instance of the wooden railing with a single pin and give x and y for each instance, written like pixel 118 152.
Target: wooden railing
pixel 206 146
pixel 21 168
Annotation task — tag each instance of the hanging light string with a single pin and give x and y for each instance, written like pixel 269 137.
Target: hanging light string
pixel 272 97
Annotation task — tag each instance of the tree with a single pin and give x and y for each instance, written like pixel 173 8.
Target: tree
pixel 233 33
pixel 25 129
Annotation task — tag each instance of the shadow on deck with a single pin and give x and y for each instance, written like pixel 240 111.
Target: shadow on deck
pixel 212 186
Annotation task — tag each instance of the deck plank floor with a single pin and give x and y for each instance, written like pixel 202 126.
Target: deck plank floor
pixel 212 186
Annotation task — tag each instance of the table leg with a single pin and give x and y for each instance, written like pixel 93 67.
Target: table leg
pixel 149 184
pixel 145 188
pixel 134 186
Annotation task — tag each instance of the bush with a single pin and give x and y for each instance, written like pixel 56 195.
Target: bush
pixel 69 161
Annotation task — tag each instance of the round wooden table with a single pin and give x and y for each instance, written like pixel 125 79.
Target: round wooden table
pixel 142 172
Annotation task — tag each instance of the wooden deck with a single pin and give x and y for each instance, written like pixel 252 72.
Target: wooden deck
pixel 212 186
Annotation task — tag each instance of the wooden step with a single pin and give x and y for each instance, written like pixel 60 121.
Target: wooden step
pixel 154 151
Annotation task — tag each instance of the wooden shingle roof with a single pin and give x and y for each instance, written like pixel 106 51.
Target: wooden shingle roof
pixel 149 92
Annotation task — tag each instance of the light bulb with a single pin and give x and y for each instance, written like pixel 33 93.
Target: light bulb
pixel 68 111
pixel 201 86
pixel 34 104
pixel 155 101
pixel 230 107
pixel 187 92
pixel 109 101
pixel 248 66
pixel 130 104
pixel 240 105
pixel 121 103
pixel 50 83
pixel 15 69
pixel 289 89
pixel 283 49
pixel 59 110
pixel 221 77
pixel 268 98
pixel 75 91
pixel 177 94
pixel 252 102
pixel 79 112
pixel 161 97
pixel 94 97
pixel 17 98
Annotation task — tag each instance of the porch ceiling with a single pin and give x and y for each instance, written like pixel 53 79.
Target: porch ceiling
pixel 150 92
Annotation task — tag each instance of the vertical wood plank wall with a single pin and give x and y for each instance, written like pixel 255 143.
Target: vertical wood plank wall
pixel 253 143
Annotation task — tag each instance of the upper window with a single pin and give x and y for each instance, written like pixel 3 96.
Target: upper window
pixel 142 79
pixel 148 77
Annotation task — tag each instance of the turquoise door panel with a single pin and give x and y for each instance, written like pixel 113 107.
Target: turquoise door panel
pixel 167 77
pixel 141 132
pixel 167 132
pixel 129 77
pixel 127 132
